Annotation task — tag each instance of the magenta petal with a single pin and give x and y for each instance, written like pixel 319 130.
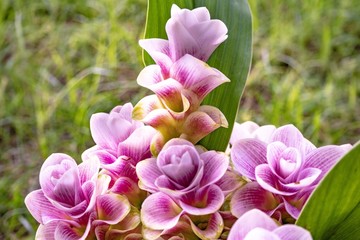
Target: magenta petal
pixel 41 209
pixel 251 196
pixel 290 232
pixel 248 221
pixel 207 200
pixel 112 208
pixel 148 172
pixel 215 166
pixel 246 154
pixel 160 212
pixel 213 229
pixel 137 145
pixel 72 230
pixel 88 170
pixel 267 180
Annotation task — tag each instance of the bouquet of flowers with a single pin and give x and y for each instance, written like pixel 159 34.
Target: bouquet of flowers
pixel 150 177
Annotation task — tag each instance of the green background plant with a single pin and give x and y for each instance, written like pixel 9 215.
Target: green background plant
pixel 61 61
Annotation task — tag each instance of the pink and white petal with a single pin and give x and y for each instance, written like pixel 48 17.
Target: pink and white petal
pixel 230 182
pixel 148 172
pixel 307 177
pixel 201 14
pixel 66 231
pixel 199 124
pixel 253 196
pixel 196 75
pixel 150 76
pixel 127 187
pixel 137 145
pixel 123 112
pixel 246 154
pixel 292 210
pixel 151 234
pixel 324 158
pixel 107 131
pixel 58 159
pixel 204 201
pixel 89 170
pixel 261 234
pixel 250 220
pixel 268 181
pixel 160 212
pixel 289 135
pixel 241 131
pixel 129 223
pixel 274 152
pixel 161 120
pixel 289 232
pixel 181 42
pixel 145 106
pixel 215 166
pixel 213 230
pixel 111 208
pixel 264 133
pixel 46 232
pixel 41 209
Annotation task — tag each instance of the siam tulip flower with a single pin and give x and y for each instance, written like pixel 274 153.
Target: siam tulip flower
pixel 255 224
pixel 68 194
pixel 288 166
pixel 250 129
pixel 182 181
pixel 189 32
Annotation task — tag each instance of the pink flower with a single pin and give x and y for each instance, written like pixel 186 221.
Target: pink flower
pixel 288 165
pixel 189 32
pixel 255 224
pixel 182 182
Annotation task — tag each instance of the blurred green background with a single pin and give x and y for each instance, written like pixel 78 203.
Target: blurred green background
pixel 63 60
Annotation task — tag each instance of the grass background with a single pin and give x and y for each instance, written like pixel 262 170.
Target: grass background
pixel 61 61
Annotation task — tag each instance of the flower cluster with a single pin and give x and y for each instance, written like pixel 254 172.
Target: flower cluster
pixel 146 178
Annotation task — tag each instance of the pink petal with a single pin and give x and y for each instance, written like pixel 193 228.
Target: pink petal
pixel 202 122
pixel 213 230
pixel 197 76
pixel 72 231
pixel 58 159
pixel 145 106
pixel 267 180
pixel 215 166
pixel 111 208
pixel 127 187
pixel 261 234
pixel 248 221
pixel 291 210
pixel 130 222
pixel 230 182
pixel 246 154
pixel 41 209
pixel 88 170
pixel 46 232
pixel 150 76
pixel 290 232
pixel 241 131
pixel 324 158
pixel 289 135
pixel 306 178
pixel 160 212
pixel 107 130
pixel 251 196
pixel 148 172
pixel 137 145
pixel 207 200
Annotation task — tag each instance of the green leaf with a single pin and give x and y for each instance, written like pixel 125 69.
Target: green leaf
pixel 232 57
pixel 333 210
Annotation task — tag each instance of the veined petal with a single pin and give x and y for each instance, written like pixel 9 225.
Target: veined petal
pixel 252 196
pixel 129 188
pixel 89 170
pixel 150 76
pixel 202 122
pixel 111 208
pixel 289 135
pixel 137 145
pixel 247 154
pixel 243 130
pixel 215 166
pixel 306 178
pixel 266 178
pixel 160 212
pixel 229 182
pixel 204 201
pixel 213 230
pixel 148 172
pixel 248 221
pixel 130 222
pixel 197 76
pixel 46 232
pixel 159 50
pixel 261 234
pixel 145 106
pixel 290 232
pixel 41 209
